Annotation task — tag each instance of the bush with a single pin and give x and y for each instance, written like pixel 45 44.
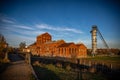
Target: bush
pixel 51 67
pixel 36 63
pixel 68 67
pixel 59 65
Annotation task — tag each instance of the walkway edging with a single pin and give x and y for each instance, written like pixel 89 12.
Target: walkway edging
pixel 34 72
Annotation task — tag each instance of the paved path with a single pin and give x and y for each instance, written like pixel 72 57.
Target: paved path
pixel 18 70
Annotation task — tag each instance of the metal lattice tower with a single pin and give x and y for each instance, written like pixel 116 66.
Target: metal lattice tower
pixel 94 32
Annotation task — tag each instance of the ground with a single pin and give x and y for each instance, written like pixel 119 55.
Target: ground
pixel 17 70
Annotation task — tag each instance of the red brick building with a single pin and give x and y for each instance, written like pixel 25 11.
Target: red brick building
pixel 44 46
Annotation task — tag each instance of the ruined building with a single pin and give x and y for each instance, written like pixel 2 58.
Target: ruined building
pixel 44 46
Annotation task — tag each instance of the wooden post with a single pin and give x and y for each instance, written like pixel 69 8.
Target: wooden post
pixel 79 72
pixel 6 57
pixel 6 53
pixel 29 58
pixel 111 67
pixel 26 57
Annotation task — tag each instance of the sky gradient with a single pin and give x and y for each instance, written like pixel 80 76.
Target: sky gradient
pixel 71 20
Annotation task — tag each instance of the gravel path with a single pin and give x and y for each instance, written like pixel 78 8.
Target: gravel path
pixel 18 70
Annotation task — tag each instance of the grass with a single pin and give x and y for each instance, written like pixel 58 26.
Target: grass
pixel 89 76
pixel 62 73
pixel 113 59
pixel 45 74
pixel 51 72
pixel 32 77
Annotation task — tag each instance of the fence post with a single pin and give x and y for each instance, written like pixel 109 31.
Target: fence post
pixel 79 76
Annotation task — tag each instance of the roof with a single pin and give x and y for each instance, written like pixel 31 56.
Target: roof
pixel 65 44
pixel 60 40
pixel 49 42
pixel 33 44
pixel 81 44
pixel 46 33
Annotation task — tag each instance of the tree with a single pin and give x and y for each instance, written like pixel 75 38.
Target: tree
pixel 2 42
pixel 3 46
pixel 2 39
pixel 22 45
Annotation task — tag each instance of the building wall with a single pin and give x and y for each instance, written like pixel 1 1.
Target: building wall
pixel 46 47
pixel 51 47
pixel 67 50
pixel 43 38
pixel 82 50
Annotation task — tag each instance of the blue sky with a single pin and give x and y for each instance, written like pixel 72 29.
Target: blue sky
pixel 71 20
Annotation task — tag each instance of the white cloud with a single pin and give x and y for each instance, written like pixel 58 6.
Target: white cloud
pixel 48 27
pixel 16 33
pixel 23 27
pixel 7 21
pixel 21 30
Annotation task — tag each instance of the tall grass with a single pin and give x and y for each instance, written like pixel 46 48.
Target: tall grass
pixel 53 72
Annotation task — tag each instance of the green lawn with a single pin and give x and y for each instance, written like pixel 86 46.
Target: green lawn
pixel 113 59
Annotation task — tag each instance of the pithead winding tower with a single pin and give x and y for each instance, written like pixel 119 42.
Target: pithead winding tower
pixel 94 39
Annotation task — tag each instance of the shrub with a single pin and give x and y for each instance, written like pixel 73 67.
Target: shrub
pixel 59 65
pixel 36 63
pixel 68 67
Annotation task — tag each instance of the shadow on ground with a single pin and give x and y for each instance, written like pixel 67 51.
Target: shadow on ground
pixel 15 57
pixel 12 58
pixel 45 74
